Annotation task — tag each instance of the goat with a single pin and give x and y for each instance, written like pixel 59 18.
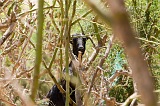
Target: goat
pixel 56 98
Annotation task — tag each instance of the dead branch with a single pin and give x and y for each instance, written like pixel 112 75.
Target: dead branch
pixel 7 33
pixel 29 11
pixel 14 46
pixel 134 102
pixel 95 53
pixel 10 29
pixel 100 65
pixel 106 52
pixel 118 73
pixel 23 49
pixel 130 99
pixel 84 15
pixel 109 101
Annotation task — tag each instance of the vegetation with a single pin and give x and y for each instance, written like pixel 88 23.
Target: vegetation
pixel 108 76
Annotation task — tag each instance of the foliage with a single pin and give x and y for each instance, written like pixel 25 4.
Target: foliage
pixel 146 23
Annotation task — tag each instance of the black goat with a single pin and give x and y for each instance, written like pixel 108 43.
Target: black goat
pixel 55 96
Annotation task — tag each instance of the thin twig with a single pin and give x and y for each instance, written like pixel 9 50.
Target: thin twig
pixel 84 15
pixel 29 11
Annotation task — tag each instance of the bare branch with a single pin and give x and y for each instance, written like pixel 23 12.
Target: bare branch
pixel 118 73
pixel 9 30
pixel 27 12
pixel 129 99
pixel 84 15
pixel 109 101
pixel 95 52
pixel 97 69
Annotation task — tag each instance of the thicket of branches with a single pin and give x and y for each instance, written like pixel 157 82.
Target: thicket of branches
pixel 34 49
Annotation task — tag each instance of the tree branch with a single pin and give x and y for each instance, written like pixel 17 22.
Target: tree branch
pixel 38 60
pixel 97 69
pixel 10 28
pixel 118 73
